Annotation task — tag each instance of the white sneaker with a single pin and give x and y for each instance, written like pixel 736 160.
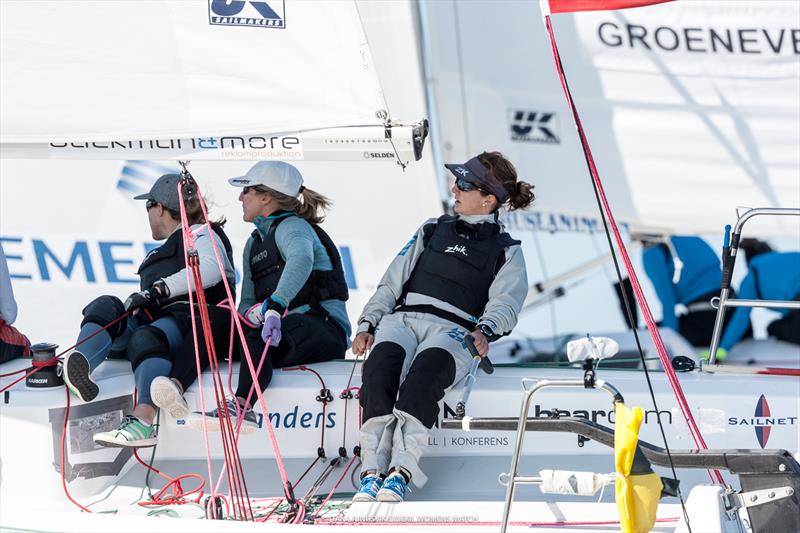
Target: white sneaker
pixel 168 397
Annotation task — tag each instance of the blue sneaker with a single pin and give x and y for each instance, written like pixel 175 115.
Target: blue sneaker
pixel 370 485
pixel 394 489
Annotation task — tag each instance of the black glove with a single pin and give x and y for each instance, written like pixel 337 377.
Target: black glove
pixel 151 297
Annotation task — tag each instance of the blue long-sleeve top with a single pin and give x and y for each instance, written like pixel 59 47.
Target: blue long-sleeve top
pixel 700 275
pixel 770 276
pixel 303 252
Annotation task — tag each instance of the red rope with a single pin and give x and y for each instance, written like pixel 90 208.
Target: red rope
pixel 13 373
pixel 288 491
pixel 63 455
pixel 235 472
pixel 640 297
pixel 38 365
pixel 233 467
pixel 178 497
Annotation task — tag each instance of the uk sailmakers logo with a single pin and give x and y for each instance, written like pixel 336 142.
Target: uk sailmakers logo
pixel 257 13
pixel 534 126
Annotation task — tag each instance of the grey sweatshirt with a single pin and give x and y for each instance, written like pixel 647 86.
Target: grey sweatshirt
pixel 506 293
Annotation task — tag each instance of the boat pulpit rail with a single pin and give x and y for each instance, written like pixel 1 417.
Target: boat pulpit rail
pixel 729 254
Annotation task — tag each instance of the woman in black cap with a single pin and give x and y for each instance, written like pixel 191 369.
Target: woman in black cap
pixel 459 274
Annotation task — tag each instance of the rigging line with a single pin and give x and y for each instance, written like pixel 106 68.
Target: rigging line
pixel 336 485
pixel 640 297
pixel 236 481
pixel 197 351
pixel 192 271
pixel 270 430
pixel 63 453
pixel 53 361
pixel 587 156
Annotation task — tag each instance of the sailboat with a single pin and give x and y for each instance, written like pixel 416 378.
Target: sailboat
pixel 192 80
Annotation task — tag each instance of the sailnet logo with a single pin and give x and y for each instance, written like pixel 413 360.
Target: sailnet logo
pixel 533 126
pixel 762 421
pixel 247 13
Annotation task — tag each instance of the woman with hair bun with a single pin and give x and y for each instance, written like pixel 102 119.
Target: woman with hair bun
pixel 460 274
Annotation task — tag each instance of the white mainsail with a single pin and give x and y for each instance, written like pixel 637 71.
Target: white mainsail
pixel 102 234
pixel 201 79
pixel 691 108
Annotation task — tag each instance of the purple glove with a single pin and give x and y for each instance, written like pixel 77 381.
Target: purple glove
pixel 271 331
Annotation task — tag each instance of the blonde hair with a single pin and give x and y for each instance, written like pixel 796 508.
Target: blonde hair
pixel 312 207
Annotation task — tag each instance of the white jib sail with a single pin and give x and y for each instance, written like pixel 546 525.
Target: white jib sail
pixel 691 108
pixel 204 79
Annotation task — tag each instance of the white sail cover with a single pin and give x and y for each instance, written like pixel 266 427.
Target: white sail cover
pixel 207 78
pixel 691 108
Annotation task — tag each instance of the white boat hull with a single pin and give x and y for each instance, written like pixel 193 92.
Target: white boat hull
pixel 461 465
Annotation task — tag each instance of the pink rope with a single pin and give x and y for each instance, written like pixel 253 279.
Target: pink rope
pixel 270 430
pixel 339 522
pixel 236 481
pixel 196 347
pixel 640 297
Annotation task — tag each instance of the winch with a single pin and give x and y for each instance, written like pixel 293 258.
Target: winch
pixel 47 375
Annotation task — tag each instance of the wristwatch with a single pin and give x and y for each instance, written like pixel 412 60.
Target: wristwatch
pixel 488 332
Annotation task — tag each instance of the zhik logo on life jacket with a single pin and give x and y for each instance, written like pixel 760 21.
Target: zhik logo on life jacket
pixel 456 249
pixel 247 13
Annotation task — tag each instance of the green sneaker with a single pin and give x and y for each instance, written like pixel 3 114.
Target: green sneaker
pixel 131 433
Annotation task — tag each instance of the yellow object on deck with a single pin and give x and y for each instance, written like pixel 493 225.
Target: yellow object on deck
pixel 638 488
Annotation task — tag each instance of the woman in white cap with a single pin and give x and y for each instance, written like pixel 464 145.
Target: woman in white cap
pixel 290 266
pixel 459 274
pixel 156 335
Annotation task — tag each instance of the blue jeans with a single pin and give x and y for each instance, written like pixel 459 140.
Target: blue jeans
pixel 97 349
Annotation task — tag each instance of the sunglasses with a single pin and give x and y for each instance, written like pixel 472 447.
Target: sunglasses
pixel 249 188
pixel 151 204
pixel 465 186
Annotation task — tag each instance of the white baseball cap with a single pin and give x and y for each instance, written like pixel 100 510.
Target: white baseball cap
pixel 276 175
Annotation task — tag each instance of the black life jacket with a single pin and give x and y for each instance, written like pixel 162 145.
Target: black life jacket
pixel 457 266
pixel 168 259
pixel 267 264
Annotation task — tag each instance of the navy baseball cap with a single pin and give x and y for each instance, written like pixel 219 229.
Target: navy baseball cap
pixel 474 172
pixel 164 191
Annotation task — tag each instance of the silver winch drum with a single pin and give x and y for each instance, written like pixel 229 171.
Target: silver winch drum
pixel 47 376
